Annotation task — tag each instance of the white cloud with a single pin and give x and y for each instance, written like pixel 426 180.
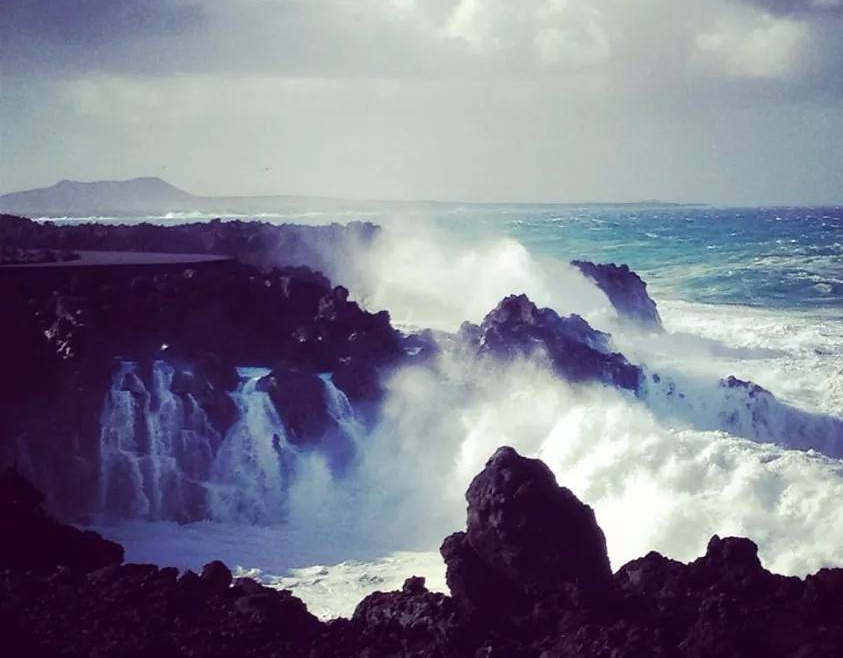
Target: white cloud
pixel 547 32
pixel 762 46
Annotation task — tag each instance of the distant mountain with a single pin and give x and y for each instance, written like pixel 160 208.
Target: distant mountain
pixel 153 196
pixel 73 197
pixel 146 196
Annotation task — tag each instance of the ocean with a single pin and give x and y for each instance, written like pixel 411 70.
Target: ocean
pixel 753 293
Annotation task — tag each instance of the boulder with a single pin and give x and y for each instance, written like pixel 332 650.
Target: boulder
pixel 527 539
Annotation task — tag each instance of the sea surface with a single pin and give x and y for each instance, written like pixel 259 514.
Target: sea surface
pixel 752 292
pixel 763 257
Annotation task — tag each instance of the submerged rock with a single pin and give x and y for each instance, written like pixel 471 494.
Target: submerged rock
pixel 626 291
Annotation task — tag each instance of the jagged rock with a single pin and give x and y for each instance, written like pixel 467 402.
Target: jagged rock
pixel 417 621
pixel 626 291
pixel 521 526
pixel 752 389
pixel 183 383
pixel 360 381
pixel 516 327
pixel 526 539
pixel 652 576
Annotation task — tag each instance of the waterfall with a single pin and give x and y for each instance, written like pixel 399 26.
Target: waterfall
pixel 155 447
pixel 161 459
pixel 340 409
pixel 122 487
pixel 252 469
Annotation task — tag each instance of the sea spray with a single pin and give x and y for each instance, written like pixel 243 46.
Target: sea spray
pixel 428 278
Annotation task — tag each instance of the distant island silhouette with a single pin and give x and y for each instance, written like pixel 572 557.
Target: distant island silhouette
pixel 151 195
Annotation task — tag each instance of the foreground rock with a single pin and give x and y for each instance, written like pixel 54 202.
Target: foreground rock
pixel 34 541
pixel 626 291
pixel 527 541
pixel 529 578
pixel 576 351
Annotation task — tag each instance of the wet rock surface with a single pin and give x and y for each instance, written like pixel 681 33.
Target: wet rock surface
pixel 626 291
pixel 577 352
pixel 547 592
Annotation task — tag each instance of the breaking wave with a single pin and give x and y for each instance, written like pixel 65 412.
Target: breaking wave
pixel 662 473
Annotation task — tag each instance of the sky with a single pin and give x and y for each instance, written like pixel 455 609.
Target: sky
pixel 719 101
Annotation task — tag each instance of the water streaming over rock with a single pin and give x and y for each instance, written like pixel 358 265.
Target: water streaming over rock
pixel 156 447
pixel 162 459
pixel 255 462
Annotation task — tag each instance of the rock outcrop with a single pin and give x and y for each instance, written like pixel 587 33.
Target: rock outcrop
pixel 577 352
pixel 73 328
pixel 548 593
pixel 626 291
pixel 331 249
pixel 527 541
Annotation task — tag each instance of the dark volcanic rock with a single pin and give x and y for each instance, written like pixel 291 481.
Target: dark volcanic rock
pixel 414 620
pixel 548 594
pixel 302 401
pixel 74 324
pixel 752 389
pixel 577 352
pixel 331 249
pixel 33 540
pixel 216 576
pixel 527 539
pixel 626 291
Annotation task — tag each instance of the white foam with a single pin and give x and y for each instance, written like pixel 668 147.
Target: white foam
pixel 655 480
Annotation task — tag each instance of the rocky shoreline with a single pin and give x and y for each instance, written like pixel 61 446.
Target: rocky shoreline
pixel 529 577
pixel 170 341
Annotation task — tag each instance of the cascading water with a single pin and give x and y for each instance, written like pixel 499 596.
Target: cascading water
pixel 161 459
pixel 155 447
pixel 252 469
pixel 340 409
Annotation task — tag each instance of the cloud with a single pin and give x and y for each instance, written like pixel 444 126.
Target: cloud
pixel 762 46
pixel 461 99
pixel 86 34
pixel 797 6
pixel 552 31
pixel 652 42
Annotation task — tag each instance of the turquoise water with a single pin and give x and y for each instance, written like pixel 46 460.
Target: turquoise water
pixel 767 257
pixel 763 257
